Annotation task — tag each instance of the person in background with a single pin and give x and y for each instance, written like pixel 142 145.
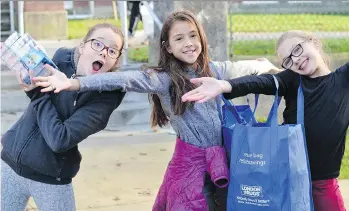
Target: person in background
pixel 135 16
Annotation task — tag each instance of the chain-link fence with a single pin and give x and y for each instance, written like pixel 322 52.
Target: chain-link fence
pixel 255 26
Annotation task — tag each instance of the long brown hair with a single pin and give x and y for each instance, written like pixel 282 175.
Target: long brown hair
pixel 175 68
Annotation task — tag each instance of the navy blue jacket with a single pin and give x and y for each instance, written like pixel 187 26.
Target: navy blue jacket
pixel 43 144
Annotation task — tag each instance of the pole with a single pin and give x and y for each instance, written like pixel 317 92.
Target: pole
pixel 92 8
pixel 154 16
pixel 115 10
pixel 12 22
pixel 20 17
pixel 123 16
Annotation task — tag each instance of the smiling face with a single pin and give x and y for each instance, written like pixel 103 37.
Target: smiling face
pixel 100 52
pixel 184 42
pixel 301 56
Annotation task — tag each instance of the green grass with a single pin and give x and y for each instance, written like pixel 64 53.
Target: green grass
pixel 284 22
pixel 79 28
pixel 252 48
pixel 345 164
pixel 267 47
pixel 139 54
pixel 246 23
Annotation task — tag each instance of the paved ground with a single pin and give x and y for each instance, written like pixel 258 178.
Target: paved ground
pixel 123 171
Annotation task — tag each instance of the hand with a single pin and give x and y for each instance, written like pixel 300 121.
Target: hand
pixel 57 81
pixel 27 87
pixel 20 73
pixel 209 88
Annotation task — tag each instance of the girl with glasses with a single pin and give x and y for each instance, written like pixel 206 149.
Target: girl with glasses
pixel 326 107
pixel 40 153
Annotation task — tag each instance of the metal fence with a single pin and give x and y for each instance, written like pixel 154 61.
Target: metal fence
pixel 254 26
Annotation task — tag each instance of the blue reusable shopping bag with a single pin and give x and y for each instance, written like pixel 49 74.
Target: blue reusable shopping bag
pixel 241 114
pixel 235 113
pixel 269 168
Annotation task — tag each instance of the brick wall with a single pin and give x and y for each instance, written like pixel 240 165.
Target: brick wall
pixel 97 3
pixel 32 6
pixel 45 20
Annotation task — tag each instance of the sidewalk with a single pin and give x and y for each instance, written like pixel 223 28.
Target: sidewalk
pixel 123 171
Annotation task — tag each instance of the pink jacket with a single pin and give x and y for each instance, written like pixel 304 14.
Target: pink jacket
pixel 182 187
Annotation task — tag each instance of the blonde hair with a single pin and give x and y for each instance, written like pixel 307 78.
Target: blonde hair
pixel 304 36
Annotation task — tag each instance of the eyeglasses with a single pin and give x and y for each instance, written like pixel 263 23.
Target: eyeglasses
pixel 296 52
pixel 99 46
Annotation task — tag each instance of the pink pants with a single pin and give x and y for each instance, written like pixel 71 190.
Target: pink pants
pixel 327 196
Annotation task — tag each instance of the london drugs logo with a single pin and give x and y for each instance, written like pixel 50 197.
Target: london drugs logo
pixel 253 191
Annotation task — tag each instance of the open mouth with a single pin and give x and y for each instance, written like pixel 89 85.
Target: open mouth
pixel 189 52
pixel 304 64
pixel 97 65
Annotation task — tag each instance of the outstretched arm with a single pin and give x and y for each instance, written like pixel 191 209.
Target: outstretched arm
pixel 257 84
pixel 137 81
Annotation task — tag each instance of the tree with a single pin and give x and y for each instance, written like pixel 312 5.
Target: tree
pixel 161 9
pixel 211 14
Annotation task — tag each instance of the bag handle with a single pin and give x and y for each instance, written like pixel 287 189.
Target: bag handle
pixel 300 104
pixel 274 110
pixel 228 102
pixel 231 105
pixel 221 97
